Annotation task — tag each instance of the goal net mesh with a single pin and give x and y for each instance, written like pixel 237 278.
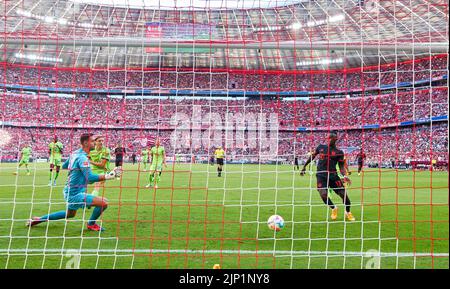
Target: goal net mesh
pixel 267 83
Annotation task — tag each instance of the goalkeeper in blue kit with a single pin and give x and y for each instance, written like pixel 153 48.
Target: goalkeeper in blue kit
pixel 79 176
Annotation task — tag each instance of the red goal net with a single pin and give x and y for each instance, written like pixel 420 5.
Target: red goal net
pixel 220 118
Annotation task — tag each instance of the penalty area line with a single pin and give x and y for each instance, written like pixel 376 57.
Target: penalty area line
pixel 240 252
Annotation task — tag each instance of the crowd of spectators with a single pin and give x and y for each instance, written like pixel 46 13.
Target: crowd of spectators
pixel 208 122
pixel 188 80
pixel 421 142
pixel 386 109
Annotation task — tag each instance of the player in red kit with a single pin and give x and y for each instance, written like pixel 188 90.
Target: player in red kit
pixel 360 158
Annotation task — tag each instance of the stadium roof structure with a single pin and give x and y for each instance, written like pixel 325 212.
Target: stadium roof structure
pixel 192 4
pixel 263 35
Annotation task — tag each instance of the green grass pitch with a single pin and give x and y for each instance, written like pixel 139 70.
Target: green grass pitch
pixel 195 220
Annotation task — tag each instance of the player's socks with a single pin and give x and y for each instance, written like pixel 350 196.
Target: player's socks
pixel 329 203
pixel 347 204
pixel 56 176
pixel 54 216
pixel 95 215
pixel 157 179
pixel 150 179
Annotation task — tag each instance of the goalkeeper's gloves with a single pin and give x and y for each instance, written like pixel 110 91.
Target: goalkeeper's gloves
pixel 115 173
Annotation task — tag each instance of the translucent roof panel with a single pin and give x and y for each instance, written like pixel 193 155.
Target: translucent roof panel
pixel 192 4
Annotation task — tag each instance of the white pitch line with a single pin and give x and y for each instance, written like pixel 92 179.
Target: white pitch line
pixel 240 252
pixel 61 201
pixel 296 203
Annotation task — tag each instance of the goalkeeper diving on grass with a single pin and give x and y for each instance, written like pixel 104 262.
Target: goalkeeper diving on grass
pixel 75 195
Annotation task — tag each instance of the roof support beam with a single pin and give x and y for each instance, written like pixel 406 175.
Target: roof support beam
pixel 433 47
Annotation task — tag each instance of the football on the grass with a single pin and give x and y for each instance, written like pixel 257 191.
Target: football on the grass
pixel 275 222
